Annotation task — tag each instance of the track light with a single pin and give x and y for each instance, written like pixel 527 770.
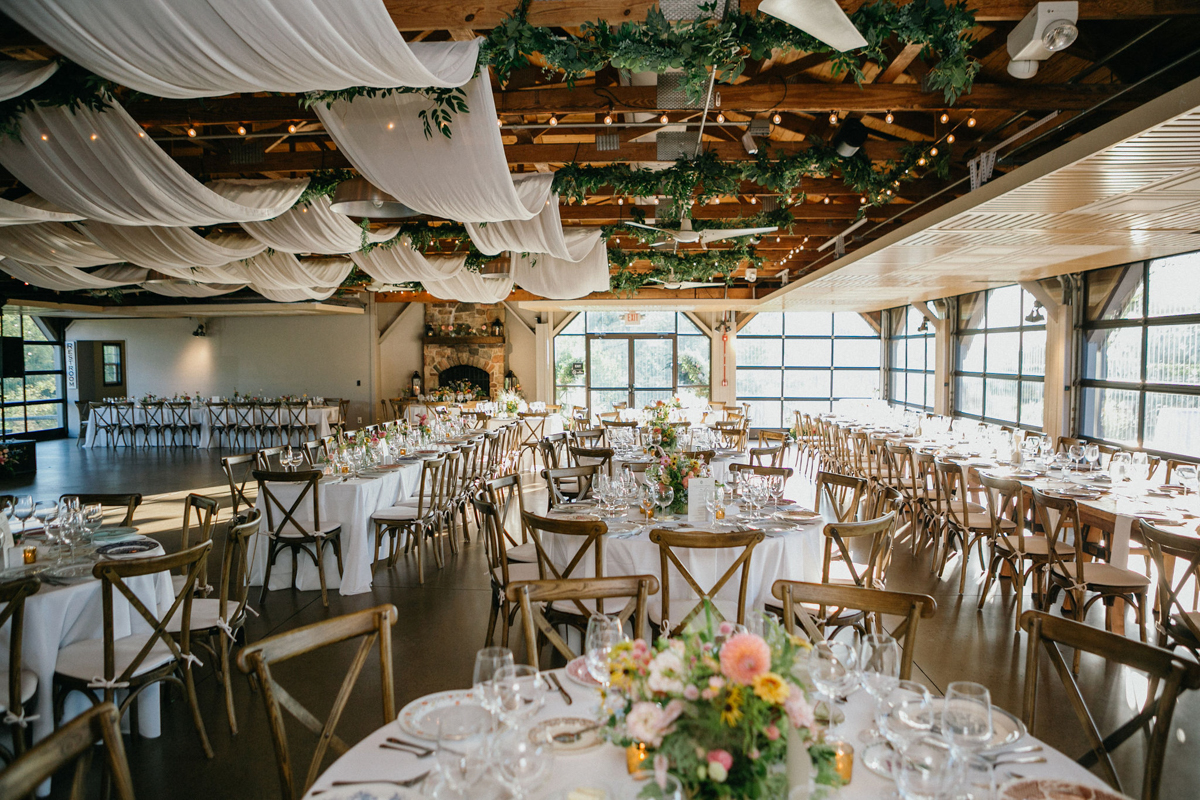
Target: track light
pixel 749 143
pixel 1035 316
pixel 777 118
pixel 944 118
pixel 849 138
pixel 191 133
pixel 553 121
pixel 1046 29
pixel 889 118
pixel 241 130
pixel 923 327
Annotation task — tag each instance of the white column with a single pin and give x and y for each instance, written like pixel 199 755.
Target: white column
pixel 1056 405
pixel 543 333
pixel 943 352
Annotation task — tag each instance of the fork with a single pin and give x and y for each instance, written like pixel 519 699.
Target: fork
pixel 406 784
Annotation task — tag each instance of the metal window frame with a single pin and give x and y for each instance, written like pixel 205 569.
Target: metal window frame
pixel 8 406
pixel 890 369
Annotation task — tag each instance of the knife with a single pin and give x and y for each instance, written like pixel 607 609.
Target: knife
pixel 558 685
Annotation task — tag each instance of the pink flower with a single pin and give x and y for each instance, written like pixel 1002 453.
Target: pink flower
pixel 754 754
pixel 771 732
pixel 649 723
pixel 690 692
pixel 725 628
pixel 744 657
pixel 799 712
pixel 721 757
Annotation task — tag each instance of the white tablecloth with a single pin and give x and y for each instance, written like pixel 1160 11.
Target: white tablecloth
pixel 604 766
pixel 61 615
pixel 321 417
pixel 351 504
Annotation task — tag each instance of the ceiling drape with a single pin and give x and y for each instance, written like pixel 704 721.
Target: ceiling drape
pixel 314 228
pixel 162 248
pixel 542 234
pixel 18 77
pixel 469 287
pixel 52 244
pixel 401 264
pixel 24 212
pixel 68 279
pixel 556 279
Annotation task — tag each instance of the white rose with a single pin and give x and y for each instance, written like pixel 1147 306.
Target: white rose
pixel 666 673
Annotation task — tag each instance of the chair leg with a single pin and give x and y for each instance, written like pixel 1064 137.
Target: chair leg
pixel 190 684
pixel 227 679
pixel 320 573
pixel 492 614
pixel 271 553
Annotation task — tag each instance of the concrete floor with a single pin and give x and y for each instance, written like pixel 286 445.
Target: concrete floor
pixel 443 623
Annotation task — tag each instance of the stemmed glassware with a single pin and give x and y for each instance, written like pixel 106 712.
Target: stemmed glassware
pixel 879 666
pixel 833 668
pixel 663 497
pixel 524 762
pixel 967 715
pixel 647 498
pixel 93 518
pixel 462 747
pixel 1075 453
pixel 924 771
pixel 44 511
pixel 904 715
pixel 603 634
pixel 775 485
pixel 714 500
pixel 520 693
pixel 23 510
pixel 1092 454
pixel 488 662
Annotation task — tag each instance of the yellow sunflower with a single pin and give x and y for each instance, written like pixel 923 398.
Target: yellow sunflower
pixel 732 713
pixel 771 687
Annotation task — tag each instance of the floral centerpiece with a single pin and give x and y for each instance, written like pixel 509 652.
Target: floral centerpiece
pixel 510 401
pixel 8 460
pixel 660 416
pixel 676 471
pixel 716 704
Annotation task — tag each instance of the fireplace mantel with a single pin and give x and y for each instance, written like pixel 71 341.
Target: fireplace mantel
pixel 454 341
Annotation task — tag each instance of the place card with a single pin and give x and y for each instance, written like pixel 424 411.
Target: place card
pixel 699 490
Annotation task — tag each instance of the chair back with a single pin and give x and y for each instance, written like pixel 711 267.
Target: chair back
pixel 127 501
pixel 762 471
pixel 839 495
pixel 534 427
pixel 902 468
pixel 587 536
pixel 599 457
pixel 532 596
pixel 874 603
pixel 218 415
pixel 766 456
pixel 589 437
pixel 504 493
pixel 429 491
pixel 243 414
pixel 1065 443
pixel 583 478
pixel 234 591
pixel 1175 620
pixel 732 434
pixel 1006 501
pixel 113 575
pixel 12 607
pixel 1174 464
pixel 205 509
pixel 704 456
pixel 1163 668
pixel 179 414
pixel 281 518
pixel 315 452
pixel 1057 516
pixel 953 488
pixel 843 537
pixel 552 447
pixel 123 414
pixel 369 625
pixel 73 742
pixel 295 415
pixel 267 459
pixel 669 541
pixel 239 471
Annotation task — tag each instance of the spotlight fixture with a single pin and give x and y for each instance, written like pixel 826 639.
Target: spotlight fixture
pixel 751 274
pixel 1046 29
pixel 291 128
pixel 1035 316
pixel 749 143
pixel 553 121
pixel 608 119
pixel 664 119
pixel 201 330
pixel 971 122
pixel 191 133
pixel 777 118
pixel 720 118
pixel 923 327
pixel 833 118
pixel 358 198
pixel 889 118
pixel 950 139
pixel 849 138
pixel 241 130
pixel 944 118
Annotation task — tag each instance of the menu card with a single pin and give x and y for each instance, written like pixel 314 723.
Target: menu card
pixel 699 490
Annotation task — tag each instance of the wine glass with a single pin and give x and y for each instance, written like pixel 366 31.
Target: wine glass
pixel 44 511
pixel 23 510
pixel 663 497
pixel 93 518
pixel 967 715
pixel 1092 454
pixel 832 666
pixel 1046 445
pixel 879 663
pixel 462 746
pixel 602 491
pixel 1141 466
pixel 1120 467
pixel 904 715
pixel 977 779
pixel 1186 475
pixel 714 500
pixel 647 497
pixel 520 693
pixel 524 763
pixel 603 634
pixel 488 662
pixel 1075 453
pixel 775 485
pixel 924 771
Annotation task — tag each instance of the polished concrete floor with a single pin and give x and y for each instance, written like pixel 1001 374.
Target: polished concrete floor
pixel 442 623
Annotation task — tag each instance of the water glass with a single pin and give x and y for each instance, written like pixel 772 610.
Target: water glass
pixel 879 668
pixel 1141 466
pixel 967 715
pixel 905 714
pixel 488 662
pixel 604 632
pixel 663 497
pixel 977 779
pixel 924 771
pixel 23 510
pixel 1075 453
pixel 462 746
pixel 1092 454
pixel 520 693
pixel 833 669
pixel 523 764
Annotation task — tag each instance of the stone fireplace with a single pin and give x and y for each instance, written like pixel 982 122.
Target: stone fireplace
pixel 445 353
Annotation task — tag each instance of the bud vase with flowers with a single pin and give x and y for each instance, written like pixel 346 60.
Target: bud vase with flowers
pixel 660 418
pixel 675 471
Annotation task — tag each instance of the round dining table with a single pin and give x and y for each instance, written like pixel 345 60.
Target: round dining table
pixel 604 766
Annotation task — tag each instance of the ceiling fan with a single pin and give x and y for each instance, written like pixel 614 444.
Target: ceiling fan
pixel 672 283
pixel 685 234
pixel 821 19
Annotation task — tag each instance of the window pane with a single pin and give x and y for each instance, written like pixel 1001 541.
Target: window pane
pixel 112 375
pixel 1001 399
pixel 916 388
pixel 1004 307
pixel 855 383
pixel 14 390
pixel 763 325
pixel 968 396
pixel 918 353
pixel 645 397
pixel 33 331
pixel 653 363
pixel 759 352
pixel 766 413
pixel 39 357
pixel 693 393
pixel 1173 422
pixel 43 387
pixel 1031 403
pixel 602 400
pixel 1033 353
pixel 694 356
pixel 577 325
pixel 1115 293
pixel 571 395
pixel 1113 355
pixel 610 362
pixel 1174 286
pixel 12 324
pixel 44 416
pixel 807 323
pixel 809 352
pixel 1003 353
pixel 846 323
pixel 759 382
pixel 1172 354
pixel 856 353
pixel 898 351
pixel 896 384
pixel 14 420
pixel 790 407
pixel 1110 414
pixel 970 353
pixel 806 383
pixel 568 352
pixel 685 327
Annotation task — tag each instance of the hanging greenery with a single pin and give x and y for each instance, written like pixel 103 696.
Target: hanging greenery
pixel 444 103
pixel 71 87
pixel 702 267
pixel 323 183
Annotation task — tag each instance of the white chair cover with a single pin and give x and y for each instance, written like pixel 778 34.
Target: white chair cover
pixel 124 178
pixel 556 279
pixel 401 264
pixel 18 77
pixel 52 244
pixel 314 228
pixel 183 48
pixel 164 249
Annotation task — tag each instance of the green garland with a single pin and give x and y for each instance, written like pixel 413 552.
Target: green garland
pixel 71 87
pixel 444 103
pixel 701 267
pixel 323 183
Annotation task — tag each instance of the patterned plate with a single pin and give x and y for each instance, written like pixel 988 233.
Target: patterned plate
pixel 112 533
pixel 371 791
pixel 577 671
pixel 420 717
pixel 545 731
pixel 1051 789
pixel 130 549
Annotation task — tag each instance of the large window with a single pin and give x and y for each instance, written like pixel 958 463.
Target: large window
pixel 911 359
pixel 802 361
pixel 114 363
pixel 607 357
pixel 1141 355
pixel 1001 363
pixel 34 404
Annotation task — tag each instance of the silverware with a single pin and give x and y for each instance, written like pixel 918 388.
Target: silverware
pixel 558 685
pixel 570 737
pixel 996 762
pixel 407 784
pixel 401 749
pixel 411 745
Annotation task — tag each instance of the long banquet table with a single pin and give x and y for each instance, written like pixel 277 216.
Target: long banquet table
pixel 604 766
pixel 322 418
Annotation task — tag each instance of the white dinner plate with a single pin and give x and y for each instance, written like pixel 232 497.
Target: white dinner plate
pixel 547 729
pixel 420 717
pixel 371 791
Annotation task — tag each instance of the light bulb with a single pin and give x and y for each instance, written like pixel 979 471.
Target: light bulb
pixel 833 118
pixel 499 122
pixel 553 121
pixel 391 125
pixel 291 128
pixel 45 138
pixel 970 122
pixel 241 130
pixel 620 201
pixel 720 118
pixel 805 240
pixel 608 119
pixel 889 192
pixel 826 200
pixel 944 118
pixel 862 200
pixel 93 137
pixel 950 139
pixel 583 202
pixel 933 151
pixel 753 200
pixel 921 161
pixel 777 119
pixel 777 238
pixel 141 134
pixel 192 132
pixel 655 201
pixel 663 119
pixel 889 118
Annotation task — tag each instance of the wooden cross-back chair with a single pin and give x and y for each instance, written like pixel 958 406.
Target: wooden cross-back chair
pixel 586 536
pixel 553 447
pixel 244 424
pixel 599 457
pixel 128 501
pixel 138 660
pixel 766 456
pixel 763 471
pixel 840 495
pixel 670 540
pixel 315 452
pixel 218 423
pixel 268 459
pixel 506 495
pixel 295 420
pixel 570 484
pixel 73 743
pixel 530 595
pixel 1175 674
pixel 588 437
pixel 904 478
pixel 963 523
pixel 1077 575
pixel 798 597
pixel 179 421
pixel 855 554
pixel 502 569
pixel 732 434
pixel 533 428
pixel 1178 624
pixel 1174 464
pixel 415 516
pixel 19 684
pixel 239 471
pixel 369 625
pixel 125 423
pixel 285 531
pixel 205 510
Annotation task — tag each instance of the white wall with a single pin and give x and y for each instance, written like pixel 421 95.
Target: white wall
pixel 522 352
pixel 400 353
pixel 318 356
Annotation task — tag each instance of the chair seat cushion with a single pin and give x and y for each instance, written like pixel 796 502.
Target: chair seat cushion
pixel 400 513
pixel 517 571
pixel 326 530
pixel 84 660
pixel 526 553
pixel 204 614
pixel 1035 546
pixel 1097 573
pixel 29 684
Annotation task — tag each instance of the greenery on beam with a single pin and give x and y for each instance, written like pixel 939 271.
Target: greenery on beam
pixel 702 267
pixel 443 103
pixel 70 87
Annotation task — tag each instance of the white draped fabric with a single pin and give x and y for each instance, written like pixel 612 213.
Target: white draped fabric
pixel 67 279
pixel 18 77
pixel 285 271
pixel 402 264
pixel 180 289
pixel 542 234
pixel 470 287
pixel 124 178
pixel 121 273
pixel 184 48
pixel 293 295
pixel 52 244
pixel 314 228
pixel 556 279
pixel 26 211
pixel 169 248
pixel 464 178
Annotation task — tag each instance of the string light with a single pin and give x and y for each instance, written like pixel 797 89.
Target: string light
pixel 141 134
pixel 192 133
pixel 933 151
pixel 391 125
pixel 889 118
pixel 608 119
pixel 45 138
pixel 241 130
pixel 499 122
pixel 805 240
pixel 826 200
pixel 620 201
pixel 921 161
pixel 291 128
pixel 862 200
pixel 753 200
pixel 720 118
pixel 656 200
pixel 777 118
pixel 553 121
pixel 950 139
pixel 663 119
pixel 889 192
pixel 970 122
pixel 944 118
pixel 94 137
pixel 833 118
pixel 777 238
